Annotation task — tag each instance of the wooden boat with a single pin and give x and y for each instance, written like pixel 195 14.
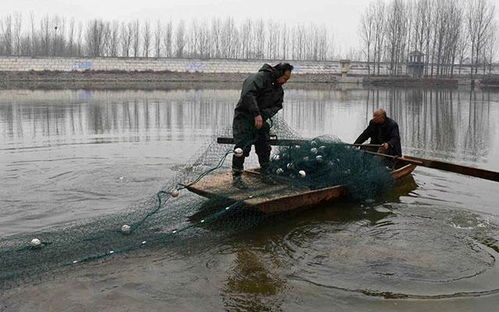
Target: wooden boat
pixel 279 197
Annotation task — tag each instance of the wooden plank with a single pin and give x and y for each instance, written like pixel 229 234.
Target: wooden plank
pixel 220 185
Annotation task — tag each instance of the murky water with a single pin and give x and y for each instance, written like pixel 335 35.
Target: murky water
pixel 70 155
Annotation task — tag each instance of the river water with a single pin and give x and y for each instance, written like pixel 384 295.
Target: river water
pixel 71 155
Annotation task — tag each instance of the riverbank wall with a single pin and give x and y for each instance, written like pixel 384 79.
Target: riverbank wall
pixel 124 71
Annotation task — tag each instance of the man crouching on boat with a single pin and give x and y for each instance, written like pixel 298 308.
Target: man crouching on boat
pixel 261 98
pixel 384 131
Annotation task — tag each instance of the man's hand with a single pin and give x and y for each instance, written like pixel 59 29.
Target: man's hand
pixel 259 122
pixel 386 146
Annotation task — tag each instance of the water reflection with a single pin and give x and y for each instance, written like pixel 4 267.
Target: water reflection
pixel 443 123
pixel 31 120
pixel 252 285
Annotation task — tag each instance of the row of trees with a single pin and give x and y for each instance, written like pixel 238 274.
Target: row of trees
pixel 448 32
pixel 218 38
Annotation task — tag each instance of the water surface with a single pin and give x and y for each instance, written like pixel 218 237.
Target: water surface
pixel 66 156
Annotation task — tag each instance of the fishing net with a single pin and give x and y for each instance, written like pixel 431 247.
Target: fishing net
pixel 174 214
pixel 325 162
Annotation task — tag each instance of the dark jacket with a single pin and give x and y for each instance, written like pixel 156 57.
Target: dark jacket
pixel 387 132
pixel 261 95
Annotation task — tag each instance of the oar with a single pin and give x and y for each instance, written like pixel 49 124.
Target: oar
pixel 445 166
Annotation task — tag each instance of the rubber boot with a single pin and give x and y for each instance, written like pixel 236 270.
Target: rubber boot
pixel 237 180
pixel 266 176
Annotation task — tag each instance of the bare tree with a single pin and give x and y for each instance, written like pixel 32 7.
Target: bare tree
pixel 17 33
pixel 34 45
pixel 79 40
pixel 245 38
pixel 136 38
pixel 168 39
pixel 113 39
pixel 259 39
pixel 6 29
pixel 490 48
pixel 146 40
pixel 157 39
pixel 95 37
pixel 284 41
pixel 204 40
pixel 228 38
pixel 180 39
pixel 272 39
pixel 193 39
pixel 71 38
pixel 479 15
pixel 367 30
pixel 396 32
pixel 379 33
pixel 216 36
pixel 389 29
pixel 455 35
pixel 126 38
pixel 44 36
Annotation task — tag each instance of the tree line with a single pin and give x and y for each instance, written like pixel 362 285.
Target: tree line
pixel 216 38
pixel 447 32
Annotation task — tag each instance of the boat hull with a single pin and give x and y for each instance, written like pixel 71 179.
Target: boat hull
pixel 276 198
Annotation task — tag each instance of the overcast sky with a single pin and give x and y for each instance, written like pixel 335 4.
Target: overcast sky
pixel 340 16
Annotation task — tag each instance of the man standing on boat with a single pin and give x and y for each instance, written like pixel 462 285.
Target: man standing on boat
pixel 261 98
pixel 384 131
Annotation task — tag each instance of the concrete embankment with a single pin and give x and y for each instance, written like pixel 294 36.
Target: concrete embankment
pixel 70 72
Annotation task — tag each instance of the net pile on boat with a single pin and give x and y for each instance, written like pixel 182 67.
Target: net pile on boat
pixel 174 215
pixel 325 162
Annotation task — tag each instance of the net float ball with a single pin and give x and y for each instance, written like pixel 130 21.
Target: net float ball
pixel 290 166
pixel 302 173
pixel 306 158
pixel 279 171
pixel 238 152
pixel 314 143
pixel 175 193
pixel 319 158
pixel 36 243
pixel 313 150
pixel 276 157
pixel 297 146
pixel 126 229
pixel 322 147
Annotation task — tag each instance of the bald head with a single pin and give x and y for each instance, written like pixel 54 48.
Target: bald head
pixel 379 116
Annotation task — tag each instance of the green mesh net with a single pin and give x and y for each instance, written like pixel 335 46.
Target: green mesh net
pixel 326 162
pixel 174 214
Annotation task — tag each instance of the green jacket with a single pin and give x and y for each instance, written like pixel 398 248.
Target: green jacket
pixel 261 95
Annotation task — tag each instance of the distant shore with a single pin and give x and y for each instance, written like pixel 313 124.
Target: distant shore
pixel 126 79
pixel 94 79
